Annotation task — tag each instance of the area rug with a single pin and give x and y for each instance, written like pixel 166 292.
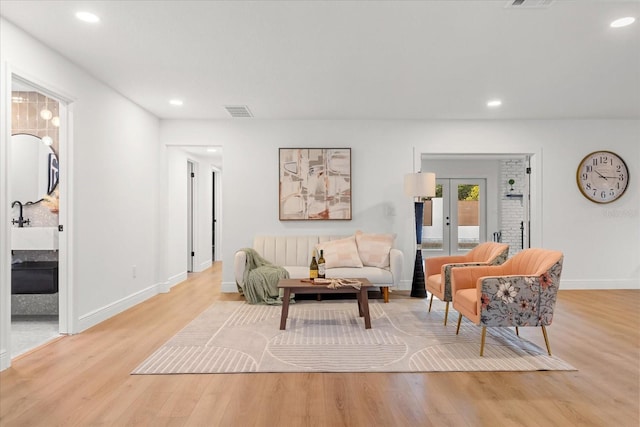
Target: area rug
pixel 329 336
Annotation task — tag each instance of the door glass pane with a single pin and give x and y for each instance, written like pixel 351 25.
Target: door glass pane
pixel 468 216
pixel 432 222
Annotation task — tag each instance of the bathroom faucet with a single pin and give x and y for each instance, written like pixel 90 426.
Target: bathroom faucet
pixel 21 221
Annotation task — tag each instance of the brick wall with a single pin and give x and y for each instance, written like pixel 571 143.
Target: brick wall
pixel 512 208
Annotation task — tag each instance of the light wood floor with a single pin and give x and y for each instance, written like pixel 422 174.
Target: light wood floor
pixel 84 380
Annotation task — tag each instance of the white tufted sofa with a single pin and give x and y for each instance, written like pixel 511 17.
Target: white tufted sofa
pixel 294 253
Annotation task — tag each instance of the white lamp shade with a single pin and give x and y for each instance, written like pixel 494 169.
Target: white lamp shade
pixel 420 184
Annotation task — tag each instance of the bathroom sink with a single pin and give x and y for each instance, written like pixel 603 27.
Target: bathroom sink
pixel 34 238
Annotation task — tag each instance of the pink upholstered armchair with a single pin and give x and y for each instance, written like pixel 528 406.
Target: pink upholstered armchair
pixel 438 269
pixel 520 292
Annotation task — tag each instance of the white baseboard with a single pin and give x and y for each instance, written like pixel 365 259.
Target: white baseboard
pixel 96 316
pixel 5 360
pixel 178 278
pixel 165 287
pixel 203 266
pixel 229 287
pixel 404 285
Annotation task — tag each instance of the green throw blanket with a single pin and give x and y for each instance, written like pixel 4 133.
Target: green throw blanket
pixel 261 280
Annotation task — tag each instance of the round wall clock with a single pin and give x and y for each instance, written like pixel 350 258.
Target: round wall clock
pixel 602 176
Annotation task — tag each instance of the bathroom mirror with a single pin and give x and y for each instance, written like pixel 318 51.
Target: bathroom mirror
pixel 34 168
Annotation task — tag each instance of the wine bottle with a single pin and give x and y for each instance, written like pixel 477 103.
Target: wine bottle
pixel 313 268
pixel 321 265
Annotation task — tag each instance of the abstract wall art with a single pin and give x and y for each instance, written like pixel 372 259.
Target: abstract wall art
pixel 315 184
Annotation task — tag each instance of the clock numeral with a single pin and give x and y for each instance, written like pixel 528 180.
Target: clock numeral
pixel 612 193
pixel 618 168
pixel 588 186
pixel 589 168
pixel 603 195
pixel 585 176
pixel 595 191
pixel 621 177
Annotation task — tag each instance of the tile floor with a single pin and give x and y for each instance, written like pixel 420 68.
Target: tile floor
pixel 28 332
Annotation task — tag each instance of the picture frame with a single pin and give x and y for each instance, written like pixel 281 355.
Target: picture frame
pixel 315 184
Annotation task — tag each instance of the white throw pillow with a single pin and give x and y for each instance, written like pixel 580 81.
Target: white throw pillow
pixel 340 253
pixel 374 248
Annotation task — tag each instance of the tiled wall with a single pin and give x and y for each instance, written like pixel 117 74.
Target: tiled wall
pixel 26 118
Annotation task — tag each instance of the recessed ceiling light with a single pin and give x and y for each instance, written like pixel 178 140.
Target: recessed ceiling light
pixel 494 103
pixel 176 102
pixel 623 22
pixel 212 150
pixel 87 17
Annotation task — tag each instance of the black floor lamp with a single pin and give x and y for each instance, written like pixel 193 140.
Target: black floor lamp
pixel 419 185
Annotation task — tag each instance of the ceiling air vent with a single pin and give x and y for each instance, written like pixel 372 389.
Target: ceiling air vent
pixel 528 4
pixel 238 110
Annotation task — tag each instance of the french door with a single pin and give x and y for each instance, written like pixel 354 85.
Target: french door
pixel 455 220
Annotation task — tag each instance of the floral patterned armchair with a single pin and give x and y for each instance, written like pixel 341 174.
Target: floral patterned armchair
pixel 438 269
pixel 520 292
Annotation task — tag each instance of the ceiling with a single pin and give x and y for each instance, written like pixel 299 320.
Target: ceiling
pixel 212 153
pixel 353 59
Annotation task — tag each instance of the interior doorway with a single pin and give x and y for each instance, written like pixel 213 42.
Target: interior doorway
pixel 510 211
pixel 197 174
pixel 38 281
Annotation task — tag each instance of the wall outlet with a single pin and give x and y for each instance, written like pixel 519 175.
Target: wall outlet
pixel 133 271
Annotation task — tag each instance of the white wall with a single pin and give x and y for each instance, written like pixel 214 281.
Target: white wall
pixel 120 190
pixel 113 167
pixel 600 242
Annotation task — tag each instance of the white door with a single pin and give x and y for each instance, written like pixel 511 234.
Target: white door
pixel 190 204
pixel 455 220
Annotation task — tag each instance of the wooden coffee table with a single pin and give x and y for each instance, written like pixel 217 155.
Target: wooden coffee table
pixel 297 286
